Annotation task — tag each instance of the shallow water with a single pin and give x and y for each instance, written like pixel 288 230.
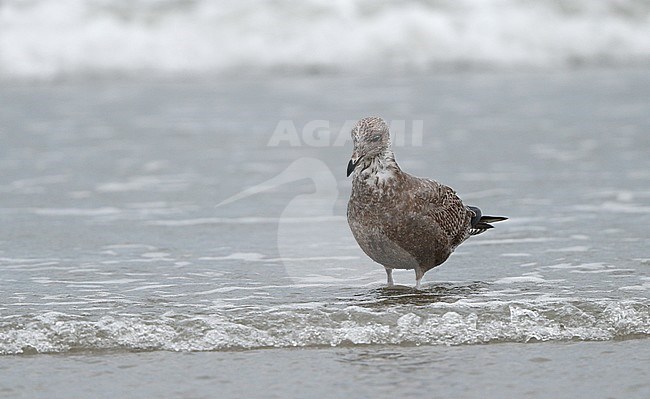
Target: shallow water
pixel 172 216
pixel 566 369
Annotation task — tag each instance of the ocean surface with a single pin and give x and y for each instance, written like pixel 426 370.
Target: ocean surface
pixel 187 238
pixel 45 40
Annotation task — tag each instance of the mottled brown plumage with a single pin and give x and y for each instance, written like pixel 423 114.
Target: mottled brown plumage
pixel 399 220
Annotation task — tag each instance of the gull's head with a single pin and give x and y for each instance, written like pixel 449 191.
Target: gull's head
pixel 371 139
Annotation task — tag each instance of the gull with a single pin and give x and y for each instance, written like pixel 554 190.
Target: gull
pixel 401 221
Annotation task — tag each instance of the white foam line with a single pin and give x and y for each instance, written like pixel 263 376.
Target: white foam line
pixel 78 283
pixel 36 182
pixel 230 289
pixel 510 241
pixel 104 211
pixel 85 287
pixel 262 259
pixel 52 303
pixel 23 260
pixel 150 260
pixel 151 287
pixel 84 270
pixel 590 266
pixel 321 279
pixel 578 248
pixel 246 220
pixel 243 298
pixel 602 271
pixel 520 279
pixel 126 246
pixel 45 264
pixel 642 287
pixel 314 258
pixel 35 269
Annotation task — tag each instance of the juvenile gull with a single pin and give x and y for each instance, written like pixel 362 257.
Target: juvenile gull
pixel 401 221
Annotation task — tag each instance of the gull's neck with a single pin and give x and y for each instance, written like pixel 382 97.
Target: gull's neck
pixel 379 169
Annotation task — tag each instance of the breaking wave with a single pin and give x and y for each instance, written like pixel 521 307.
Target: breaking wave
pixel 316 324
pixel 45 39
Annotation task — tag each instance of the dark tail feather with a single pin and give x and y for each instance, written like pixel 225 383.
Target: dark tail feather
pixel 481 223
pixel 492 219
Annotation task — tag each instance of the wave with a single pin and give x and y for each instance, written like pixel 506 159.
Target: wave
pixel 41 39
pixel 402 322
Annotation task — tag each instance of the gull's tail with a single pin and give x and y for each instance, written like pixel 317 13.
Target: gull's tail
pixel 480 223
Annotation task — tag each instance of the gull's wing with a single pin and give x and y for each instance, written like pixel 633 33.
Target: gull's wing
pixel 441 205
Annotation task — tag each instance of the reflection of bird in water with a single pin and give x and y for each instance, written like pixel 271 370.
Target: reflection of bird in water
pixel 442 292
pixel 402 221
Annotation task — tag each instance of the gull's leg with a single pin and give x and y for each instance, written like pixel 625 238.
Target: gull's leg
pixel 389 274
pixel 418 277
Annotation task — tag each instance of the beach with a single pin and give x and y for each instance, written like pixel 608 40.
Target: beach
pixel 545 370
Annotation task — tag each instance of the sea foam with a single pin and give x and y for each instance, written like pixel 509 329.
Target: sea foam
pixel 45 39
pixel 317 325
